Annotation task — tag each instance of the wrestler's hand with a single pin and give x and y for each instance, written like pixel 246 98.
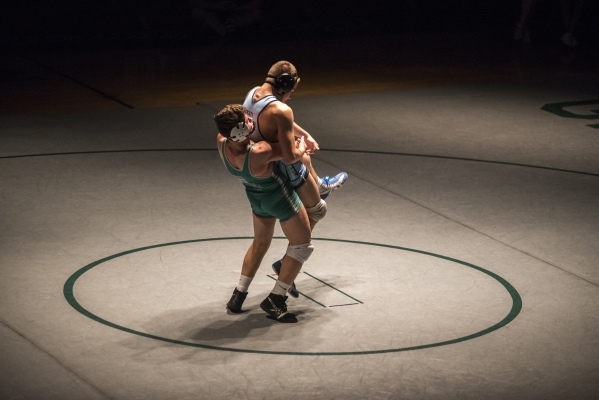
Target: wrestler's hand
pixel 311 145
pixel 300 144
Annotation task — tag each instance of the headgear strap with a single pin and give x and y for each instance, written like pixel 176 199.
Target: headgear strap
pixel 283 83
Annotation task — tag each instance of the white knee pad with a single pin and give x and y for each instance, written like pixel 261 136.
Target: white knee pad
pixel 318 211
pixel 300 252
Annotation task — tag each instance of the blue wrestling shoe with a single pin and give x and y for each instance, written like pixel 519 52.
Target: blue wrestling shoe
pixel 329 184
pixel 277 268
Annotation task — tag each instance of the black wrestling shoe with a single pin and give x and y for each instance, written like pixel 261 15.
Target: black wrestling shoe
pixel 234 305
pixel 275 307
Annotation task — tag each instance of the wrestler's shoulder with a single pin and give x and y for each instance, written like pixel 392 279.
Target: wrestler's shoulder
pixel 261 147
pixel 278 107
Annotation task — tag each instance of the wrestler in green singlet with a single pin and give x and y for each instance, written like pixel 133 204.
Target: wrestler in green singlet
pixel 270 196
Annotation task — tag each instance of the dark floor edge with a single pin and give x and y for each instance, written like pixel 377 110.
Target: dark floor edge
pixel 78 82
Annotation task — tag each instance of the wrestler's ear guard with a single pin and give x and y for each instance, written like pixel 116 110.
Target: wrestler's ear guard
pixel 240 132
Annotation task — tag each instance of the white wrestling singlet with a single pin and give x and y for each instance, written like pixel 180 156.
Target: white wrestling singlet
pixel 297 173
pixel 253 109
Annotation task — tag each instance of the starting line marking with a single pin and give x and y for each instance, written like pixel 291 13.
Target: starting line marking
pixel 271 276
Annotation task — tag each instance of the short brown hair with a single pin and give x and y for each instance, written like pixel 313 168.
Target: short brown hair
pixel 279 68
pixel 228 117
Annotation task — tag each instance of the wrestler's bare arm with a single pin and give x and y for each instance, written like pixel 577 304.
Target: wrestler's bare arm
pixel 263 153
pixel 311 144
pixel 283 117
pixel 272 151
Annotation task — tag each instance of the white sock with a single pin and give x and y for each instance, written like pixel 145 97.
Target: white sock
pixel 319 183
pixel 244 283
pixel 280 288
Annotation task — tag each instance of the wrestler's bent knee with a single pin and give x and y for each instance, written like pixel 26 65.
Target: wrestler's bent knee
pixel 317 212
pixel 300 252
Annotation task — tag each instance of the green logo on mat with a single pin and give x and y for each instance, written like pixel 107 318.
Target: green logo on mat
pixel 558 109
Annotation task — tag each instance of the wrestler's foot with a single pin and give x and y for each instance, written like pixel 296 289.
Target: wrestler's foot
pixel 234 305
pixel 275 307
pixel 276 266
pixel 328 184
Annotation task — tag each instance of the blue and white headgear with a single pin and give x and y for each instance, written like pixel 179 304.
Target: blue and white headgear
pixel 240 132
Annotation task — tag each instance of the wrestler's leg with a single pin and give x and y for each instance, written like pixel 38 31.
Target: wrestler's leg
pixel 297 231
pixel 327 184
pixel 309 195
pixel 263 232
pixel 303 184
pixel 307 191
pixel 307 161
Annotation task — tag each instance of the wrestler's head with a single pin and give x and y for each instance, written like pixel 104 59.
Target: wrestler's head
pixel 283 78
pixel 233 123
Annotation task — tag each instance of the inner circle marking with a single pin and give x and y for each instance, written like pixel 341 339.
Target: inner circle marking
pixel 514 311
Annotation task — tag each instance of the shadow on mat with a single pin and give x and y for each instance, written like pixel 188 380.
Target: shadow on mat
pixel 251 325
pixel 207 326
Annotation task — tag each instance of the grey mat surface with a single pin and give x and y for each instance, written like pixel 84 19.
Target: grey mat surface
pixel 446 178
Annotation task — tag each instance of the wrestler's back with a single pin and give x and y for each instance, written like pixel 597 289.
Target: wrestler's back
pixel 259 108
